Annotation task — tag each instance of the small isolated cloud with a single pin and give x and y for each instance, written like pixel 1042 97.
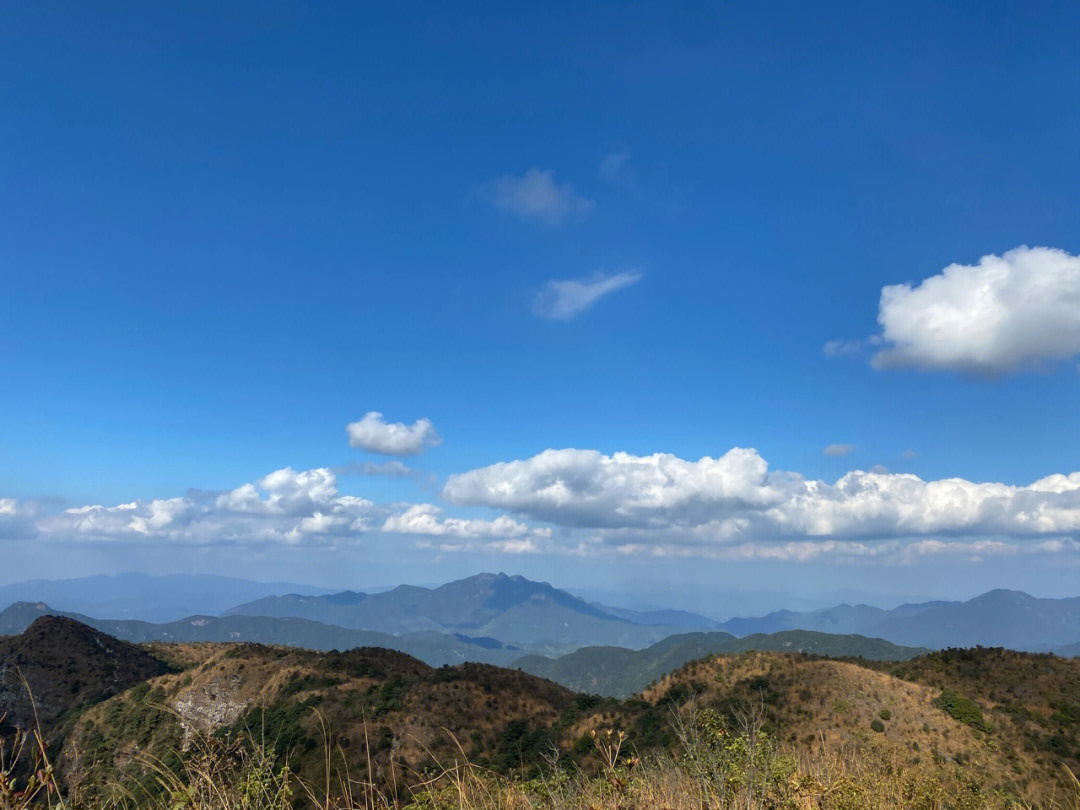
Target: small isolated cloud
pixel 1007 313
pixel 909 454
pixel 837 450
pixel 567 298
pixel 376 435
pixel 537 196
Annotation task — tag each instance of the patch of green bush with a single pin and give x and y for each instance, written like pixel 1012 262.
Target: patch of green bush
pixel 963 710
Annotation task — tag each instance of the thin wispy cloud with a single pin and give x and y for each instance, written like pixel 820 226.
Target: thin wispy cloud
pixel 837 450
pixel 376 435
pixel 567 298
pixel 536 196
pixel 387 469
pixel 615 168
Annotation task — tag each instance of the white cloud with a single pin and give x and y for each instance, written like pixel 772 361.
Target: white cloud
pixel 17 518
pixel 427 519
pixel 1007 313
pixel 837 450
pixel 564 299
pixel 286 506
pixel 731 507
pixel 376 435
pixel 537 196
pixel 735 498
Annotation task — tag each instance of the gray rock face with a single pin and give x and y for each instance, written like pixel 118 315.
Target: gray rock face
pixel 205 709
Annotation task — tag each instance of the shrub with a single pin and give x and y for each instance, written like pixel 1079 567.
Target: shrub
pixel 962 709
pixel 885 714
pixel 877 726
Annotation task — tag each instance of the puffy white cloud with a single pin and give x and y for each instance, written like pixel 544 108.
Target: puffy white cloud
pixel 426 519
pixel 585 488
pixel 1007 313
pixel 285 506
pixel 17 518
pixel 537 196
pixel 566 298
pixel 376 435
pixel 646 499
pixel 837 450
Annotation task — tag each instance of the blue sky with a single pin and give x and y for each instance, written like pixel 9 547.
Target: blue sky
pixel 226 234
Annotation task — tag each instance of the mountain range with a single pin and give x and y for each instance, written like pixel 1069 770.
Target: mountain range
pixel 497 618
pixel 435 649
pixel 512 609
pixel 142 596
pixel 999 618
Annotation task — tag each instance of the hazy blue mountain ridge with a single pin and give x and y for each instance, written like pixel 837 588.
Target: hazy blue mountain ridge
pixel 510 608
pixel 432 648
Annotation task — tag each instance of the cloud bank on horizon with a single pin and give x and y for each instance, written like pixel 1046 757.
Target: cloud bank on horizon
pixel 587 503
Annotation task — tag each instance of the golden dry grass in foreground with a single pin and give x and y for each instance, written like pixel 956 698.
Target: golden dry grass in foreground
pixel 715 767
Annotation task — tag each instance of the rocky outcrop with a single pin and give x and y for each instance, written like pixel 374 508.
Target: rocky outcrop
pixel 205 708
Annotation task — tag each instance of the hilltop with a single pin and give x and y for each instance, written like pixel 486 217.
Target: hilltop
pixel 61 664
pixel 620 672
pixel 1013 717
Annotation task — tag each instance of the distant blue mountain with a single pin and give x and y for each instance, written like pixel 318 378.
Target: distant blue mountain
pixel 148 598
pixel 513 609
pixel 998 618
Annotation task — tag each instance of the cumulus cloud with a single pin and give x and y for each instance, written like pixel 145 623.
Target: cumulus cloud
pixel 837 450
pixel 567 298
pixel 537 196
pixel 284 507
pixel 376 435
pixel 17 518
pixel 730 507
pixel 736 498
pixel 1006 313
pixel 427 519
